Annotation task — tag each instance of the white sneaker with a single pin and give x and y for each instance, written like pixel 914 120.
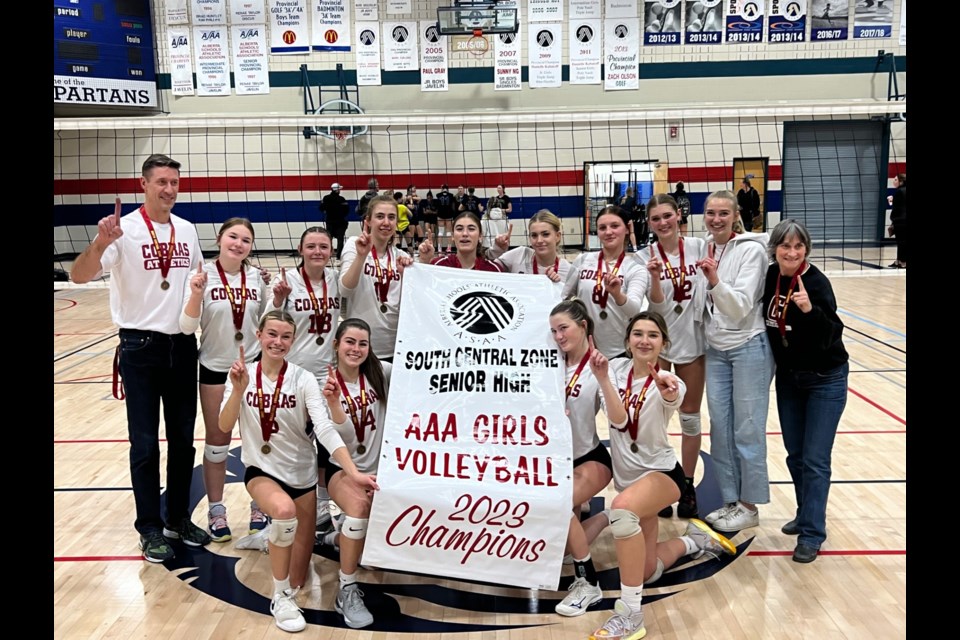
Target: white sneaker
pixel 581 595
pixel 350 605
pixel 736 519
pixel 257 540
pixel 285 611
pixel 707 540
pixel 716 514
pixel 624 624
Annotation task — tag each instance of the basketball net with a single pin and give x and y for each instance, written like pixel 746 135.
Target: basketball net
pixel 340 138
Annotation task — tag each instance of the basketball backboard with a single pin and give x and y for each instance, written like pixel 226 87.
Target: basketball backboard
pixel 466 18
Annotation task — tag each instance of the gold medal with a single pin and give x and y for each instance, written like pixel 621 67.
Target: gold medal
pixel 603 315
pixel 383 308
pixel 164 285
pixel 678 308
pixel 319 339
pixel 238 336
pixel 361 449
pixel 265 448
pixel 634 447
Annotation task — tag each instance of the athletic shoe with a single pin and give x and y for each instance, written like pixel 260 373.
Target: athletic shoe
pixel 329 539
pixel 568 559
pixel 708 541
pixel 350 605
pixel 716 514
pixel 687 507
pixel 155 547
pixel 285 611
pixel 736 519
pixel 219 529
pixel 258 540
pixel 189 533
pixel 624 624
pixel 258 519
pixel 792 528
pixel 666 512
pixel 324 522
pixel 581 595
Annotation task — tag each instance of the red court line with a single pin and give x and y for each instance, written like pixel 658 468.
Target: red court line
pixel 97 558
pixel 72 304
pixel 874 404
pixel 837 552
pixel 116 440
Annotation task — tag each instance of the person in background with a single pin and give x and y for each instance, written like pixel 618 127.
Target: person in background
pixel 372 192
pixel 684 206
pixel 748 199
pixel 336 210
pixel 898 219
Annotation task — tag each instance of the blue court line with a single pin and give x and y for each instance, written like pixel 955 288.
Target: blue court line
pixel 892 354
pixel 887 379
pixel 871 323
pixel 56 489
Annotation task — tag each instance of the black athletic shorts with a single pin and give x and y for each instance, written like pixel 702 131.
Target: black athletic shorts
pixel 598 454
pixel 257 472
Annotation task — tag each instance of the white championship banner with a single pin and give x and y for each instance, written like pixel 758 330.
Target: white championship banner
pixel 247 12
pixel 250 75
pixel 545 55
pixel 621 54
pixel 289 33
pixel 181 62
pixel 585 51
pixel 209 12
pixel 476 465
pixel 506 62
pixel 401 52
pixel 584 9
pixel 176 11
pixel 368 53
pixel 365 10
pixel 210 57
pixel 433 58
pixel 331 25
pixel 620 9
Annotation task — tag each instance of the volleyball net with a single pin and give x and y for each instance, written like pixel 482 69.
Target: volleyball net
pixel 828 165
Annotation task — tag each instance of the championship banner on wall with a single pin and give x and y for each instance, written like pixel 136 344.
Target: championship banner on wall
pixel 661 19
pixel 873 19
pixel 176 11
pixel 545 55
pixel 506 61
pixel 365 10
pixel 208 12
pixel 621 54
pixel 903 23
pixel 584 9
pixel 210 55
pixel 399 7
pixel 400 48
pixel 620 9
pixel 704 21
pixel 829 20
pixel 476 462
pixel 433 58
pixel 585 51
pixel 250 72
pixel 788 21
pixel 181 62
pixel 744 21
pixel 368 53
pixel 544 10
pixel 247 12
pixel 331 25
pixel 288 27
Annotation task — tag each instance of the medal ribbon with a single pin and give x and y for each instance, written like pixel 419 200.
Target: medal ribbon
pixel 600 294
pixel 633 424
pixel 677 282
pixel 164 264
pixel 780 313
pixel 732 236
pixel 319 307
pixel 576 374
pixel 238 308
pixel 382 286
pixel 355 408
pixel 556 265
pixel 268 421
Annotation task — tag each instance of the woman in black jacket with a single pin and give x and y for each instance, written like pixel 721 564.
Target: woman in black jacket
pixel 898 220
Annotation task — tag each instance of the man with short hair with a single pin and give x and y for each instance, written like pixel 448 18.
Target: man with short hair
pixel 151 255
pixel 336 209
pixel 371 193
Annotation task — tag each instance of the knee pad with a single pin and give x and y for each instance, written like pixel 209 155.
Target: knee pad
pixel 624 523
pixel 215 452
pixel 282 532
pixel 690 424
pixel 354 528
pixel 656 573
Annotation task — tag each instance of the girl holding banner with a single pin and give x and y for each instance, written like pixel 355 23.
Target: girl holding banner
pixel 572 330
pixel 543 254
pixel 611 283
pixel 356 395
pixel 370 272
pixel 646 474
pixel 272 400
pixel 677 292
pixel 466 239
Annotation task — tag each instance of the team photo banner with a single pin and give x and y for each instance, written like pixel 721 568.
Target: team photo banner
pixel 331 25
pixel 829 20
pixel 476 465
pixel 744 21
pixel 788 21
pixel 661 19
pixel 704 21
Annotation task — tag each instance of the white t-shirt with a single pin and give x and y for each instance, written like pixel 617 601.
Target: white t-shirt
pixel 520 260
pixel 219 348
pixel 608 334
pixel 292 458
pixel 583 403
pixel 654 452
pixel 372 417
pixel 364 302
pixel 685 328
pixel 305 351
pixel 136 299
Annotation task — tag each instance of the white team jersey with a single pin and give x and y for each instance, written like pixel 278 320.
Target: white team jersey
pixel 520 260
pixel 733 312
pixel 685 328
pixel 372 417
pixel 136 299
pixel 292 458
pixel 305 351
pixel 364 303
pixel 608 333
pixel 219 348
pixel 583 403
pixel 654 452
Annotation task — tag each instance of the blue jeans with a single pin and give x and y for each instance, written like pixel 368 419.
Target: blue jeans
pixel 156 366
pixel 810 405
pixel 738 396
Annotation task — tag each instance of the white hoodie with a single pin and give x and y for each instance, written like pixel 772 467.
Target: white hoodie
pixel 733 313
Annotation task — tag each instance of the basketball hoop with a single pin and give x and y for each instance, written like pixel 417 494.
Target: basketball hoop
pixel 477 44
pixel 340 138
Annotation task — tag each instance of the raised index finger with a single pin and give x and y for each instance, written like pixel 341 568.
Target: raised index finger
pixel 593 347
pixel 242 358
pixel 510 229
pixel 117 205
pixel 800 283
pixel 283 274
pixel 710 248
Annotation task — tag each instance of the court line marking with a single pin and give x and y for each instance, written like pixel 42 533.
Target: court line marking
pixel 874 404
pixel 871 323
pixel 72 304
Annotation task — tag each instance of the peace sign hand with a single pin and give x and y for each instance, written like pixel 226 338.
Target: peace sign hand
pixel 612 283
pixel 800 297
pixel 239 375
pixel 503 240
pixel 666 382
pixel 108 229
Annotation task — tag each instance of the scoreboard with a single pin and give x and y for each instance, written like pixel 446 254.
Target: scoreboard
pixel 103 53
